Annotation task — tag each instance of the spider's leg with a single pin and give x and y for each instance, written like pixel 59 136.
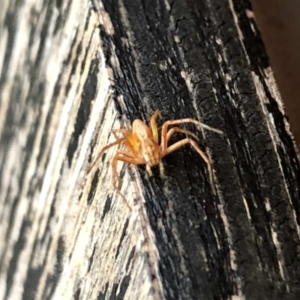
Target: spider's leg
pixel 153 125
pixel 126 132
pixel 118 141
pixel 171 132
pixel 161 169
pixel 178 129
pixel 130 142
pixel 125 157
pixel 122 130
pixel 149 171
pixel 190 120
pixel 185 141
pixel 164 130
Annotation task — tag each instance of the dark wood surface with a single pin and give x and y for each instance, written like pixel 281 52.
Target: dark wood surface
pixel 279 24
pixel 72 71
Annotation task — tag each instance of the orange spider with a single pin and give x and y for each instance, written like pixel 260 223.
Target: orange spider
pixel 143 146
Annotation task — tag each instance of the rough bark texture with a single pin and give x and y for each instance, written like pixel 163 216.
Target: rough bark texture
pixel 72 71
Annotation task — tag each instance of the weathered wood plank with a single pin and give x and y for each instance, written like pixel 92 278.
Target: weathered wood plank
pixel 70 74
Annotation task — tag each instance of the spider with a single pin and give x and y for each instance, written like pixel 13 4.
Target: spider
pixel 142 146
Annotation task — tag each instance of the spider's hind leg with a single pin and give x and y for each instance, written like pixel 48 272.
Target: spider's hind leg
pixel 161 170
pixel 149 170
pixel 202 154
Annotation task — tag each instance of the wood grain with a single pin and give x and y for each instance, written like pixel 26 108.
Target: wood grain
pixel 70 72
